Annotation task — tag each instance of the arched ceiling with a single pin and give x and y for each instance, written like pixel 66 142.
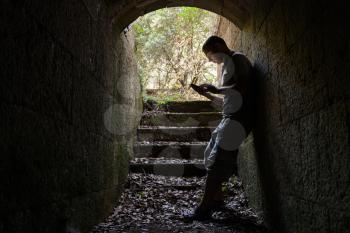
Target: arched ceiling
pixel 124 12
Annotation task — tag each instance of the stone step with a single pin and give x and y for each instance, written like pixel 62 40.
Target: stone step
pixel 211 119
pixel 183 150
pixel 190 106
pixel 179 134
pixel 166 167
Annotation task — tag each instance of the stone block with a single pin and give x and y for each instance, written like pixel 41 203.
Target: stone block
pixel 122 156
pixel 182 119
pixel 247 43
pixel 69 22
pixel 288 161
pixel 275 34
pixel 186 150
pixel 261 51
pixel 34 163
pixel 339 221
pixel 312 142
pixel 289 218
pixel 14 25
pixel 80 147
pixel 270 99
pixel 108 168
pixel 311 217
pixel 294 20
pixel 261 10
pixel 190 106
pixel 47 76
pixel 336 67
pixel 86 210
pixel 338 153
pixel 185 169
pixel 86 100
pixel 180 134
pixel 301 91
pixel 248 171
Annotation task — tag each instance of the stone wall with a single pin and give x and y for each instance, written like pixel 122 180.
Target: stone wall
pixel 68 82
pixel 295 166
pixel 67 76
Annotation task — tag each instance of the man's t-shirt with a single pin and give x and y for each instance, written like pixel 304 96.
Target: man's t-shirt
pixel 238 102
pixel 232 99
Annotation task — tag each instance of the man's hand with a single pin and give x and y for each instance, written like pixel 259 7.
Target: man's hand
pixel 216 100
pixel 198 89
pixel 211 88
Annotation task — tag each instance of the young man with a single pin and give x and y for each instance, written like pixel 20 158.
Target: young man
pixel 220 156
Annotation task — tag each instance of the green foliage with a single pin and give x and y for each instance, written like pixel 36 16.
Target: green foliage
pixel 162 98
pixel 168 46
pixel 159 101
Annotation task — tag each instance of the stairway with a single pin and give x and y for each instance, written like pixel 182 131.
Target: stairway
pixel 172 142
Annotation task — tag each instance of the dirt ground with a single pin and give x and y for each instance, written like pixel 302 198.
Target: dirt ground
pixel 153 203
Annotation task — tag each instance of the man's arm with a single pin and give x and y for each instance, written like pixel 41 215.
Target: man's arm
pixel 216 100
pixel 217 90
pixel 222 90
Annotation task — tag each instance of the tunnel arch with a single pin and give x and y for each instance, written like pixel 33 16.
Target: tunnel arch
pixel 124 12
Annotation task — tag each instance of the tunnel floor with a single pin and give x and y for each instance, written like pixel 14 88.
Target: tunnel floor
pixel 155 203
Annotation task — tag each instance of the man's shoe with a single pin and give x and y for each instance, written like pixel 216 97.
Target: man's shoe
pixel 197 214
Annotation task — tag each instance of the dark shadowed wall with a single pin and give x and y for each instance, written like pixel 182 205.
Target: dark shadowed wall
pixel 295 166
pixel 66 133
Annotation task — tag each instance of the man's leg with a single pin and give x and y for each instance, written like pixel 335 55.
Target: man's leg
pixel 212 190
pixel 224 167
pixel 219 196
pixel 204 210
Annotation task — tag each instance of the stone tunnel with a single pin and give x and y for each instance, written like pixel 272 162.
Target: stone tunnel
pixel 71 102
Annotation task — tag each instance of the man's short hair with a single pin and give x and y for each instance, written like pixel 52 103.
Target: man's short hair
pixel 211 44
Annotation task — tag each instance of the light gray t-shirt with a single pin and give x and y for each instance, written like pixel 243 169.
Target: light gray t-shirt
pixel 232 99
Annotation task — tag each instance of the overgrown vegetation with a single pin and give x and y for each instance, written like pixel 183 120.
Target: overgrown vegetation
pixel 168 50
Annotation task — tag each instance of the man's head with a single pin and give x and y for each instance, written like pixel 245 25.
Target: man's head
pixel 215 48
